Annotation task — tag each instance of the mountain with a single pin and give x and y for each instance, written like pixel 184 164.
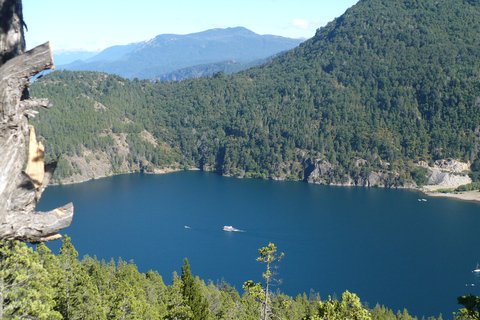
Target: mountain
pixel 376 98
pixel 62 57
pixel 208 69
pixel 169 52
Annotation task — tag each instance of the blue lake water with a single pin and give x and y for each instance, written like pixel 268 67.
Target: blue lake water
pixel 382 244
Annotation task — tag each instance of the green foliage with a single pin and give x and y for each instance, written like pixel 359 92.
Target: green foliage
pixel 475 174
pixel 419 175
pixel 261 293
pixel 472 307
pixel 475 167
pixel 349 307
pixel 192 295
pixel 468 187
pixel 24 284
pixel 41 285
pixel 177 307
pixel 77 297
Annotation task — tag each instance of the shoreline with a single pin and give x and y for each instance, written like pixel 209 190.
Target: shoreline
pixel 473 196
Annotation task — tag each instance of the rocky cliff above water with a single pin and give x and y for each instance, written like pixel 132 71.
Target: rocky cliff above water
pixel 447 174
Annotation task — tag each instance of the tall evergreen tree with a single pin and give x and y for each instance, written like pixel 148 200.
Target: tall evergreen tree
pixel 77 296
pixel 130 297
pixel 177 307
pixel 156 292
pixel 191 293
pixel 269 256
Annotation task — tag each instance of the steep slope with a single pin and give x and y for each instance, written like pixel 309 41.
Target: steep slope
pixel 383 87
pixel 168 52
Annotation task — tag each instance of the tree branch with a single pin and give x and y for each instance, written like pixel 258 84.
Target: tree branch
pixel 21 190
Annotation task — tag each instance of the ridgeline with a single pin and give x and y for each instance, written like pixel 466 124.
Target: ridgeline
pixel 384 86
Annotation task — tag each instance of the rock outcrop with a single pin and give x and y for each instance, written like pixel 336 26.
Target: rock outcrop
pixel 447 173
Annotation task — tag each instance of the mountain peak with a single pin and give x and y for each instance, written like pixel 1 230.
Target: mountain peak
pixel 169 52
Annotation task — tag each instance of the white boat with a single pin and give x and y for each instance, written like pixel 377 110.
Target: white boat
pixel 477 269
pixel 229 228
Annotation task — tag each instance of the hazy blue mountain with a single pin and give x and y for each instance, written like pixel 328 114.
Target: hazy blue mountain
pixel 208 69
pixel 169 52
pixel 62 57
pixel 115 53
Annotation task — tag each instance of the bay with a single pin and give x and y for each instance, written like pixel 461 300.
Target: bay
pixel 382 244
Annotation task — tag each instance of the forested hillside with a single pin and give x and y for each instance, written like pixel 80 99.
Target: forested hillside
pixel 384 86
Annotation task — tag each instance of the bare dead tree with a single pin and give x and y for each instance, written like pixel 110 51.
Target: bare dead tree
pixel 21 189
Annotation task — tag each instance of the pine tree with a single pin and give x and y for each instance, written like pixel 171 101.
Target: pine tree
pixel 268 256
pixel 156 292
pixel 130 300
pixel 101 275
pixel 24 285
pixel 77 296
pixel 177 307
pixel 192 295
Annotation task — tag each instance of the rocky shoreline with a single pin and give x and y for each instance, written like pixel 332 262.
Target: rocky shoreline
pixel 444 174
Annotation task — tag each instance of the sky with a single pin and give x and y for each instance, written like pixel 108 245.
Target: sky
pixel 94 25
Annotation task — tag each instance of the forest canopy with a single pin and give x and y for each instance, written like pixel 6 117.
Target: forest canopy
pixel 41 285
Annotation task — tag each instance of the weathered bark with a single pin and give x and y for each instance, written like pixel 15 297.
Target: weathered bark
pixel 21 190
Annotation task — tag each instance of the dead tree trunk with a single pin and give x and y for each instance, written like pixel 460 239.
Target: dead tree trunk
pixel 20 190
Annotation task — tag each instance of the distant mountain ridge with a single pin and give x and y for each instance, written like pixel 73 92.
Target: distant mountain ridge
pixel 169 52
pixel 61 57
pixel 208 69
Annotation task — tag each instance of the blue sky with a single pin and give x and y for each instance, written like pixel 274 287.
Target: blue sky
pixel 97 24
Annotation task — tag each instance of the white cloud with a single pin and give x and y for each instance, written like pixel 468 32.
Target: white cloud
pixel 301 24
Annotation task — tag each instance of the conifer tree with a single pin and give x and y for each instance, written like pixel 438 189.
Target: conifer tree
pixel 25 292
pixel 177 307
pixel 268 256
pixel 130 301
pixel 77 296
pixel 101 275
pixel 156 292
pixel 192 295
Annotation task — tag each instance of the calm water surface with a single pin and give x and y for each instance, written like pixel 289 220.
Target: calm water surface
pixel 382 244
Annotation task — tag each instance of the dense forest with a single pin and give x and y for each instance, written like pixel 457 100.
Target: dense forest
pixel 36 284
pixel 384 86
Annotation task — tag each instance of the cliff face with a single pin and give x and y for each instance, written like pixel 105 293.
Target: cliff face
pixel 447 174
pixel 323 173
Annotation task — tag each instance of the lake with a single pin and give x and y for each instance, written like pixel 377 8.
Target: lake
pixel 382 244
